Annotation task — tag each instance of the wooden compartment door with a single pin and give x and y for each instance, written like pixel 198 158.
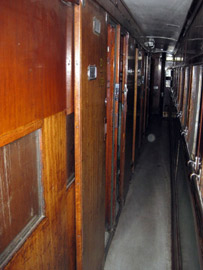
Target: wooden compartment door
pixel 113 59
pixel 36 209
pixel 141 97
pixel 123 116
pixel 90 53
pixel 135 110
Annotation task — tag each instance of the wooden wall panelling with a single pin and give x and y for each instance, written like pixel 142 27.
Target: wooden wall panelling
pixel 112 122
pixel 148 91
pixel 32 66
pixel 185 96
pixel 181 89
pixel 71 237
pixel 33 72
pixel 129 116
pixel 116 112
pixel 145 94
pixel 69 60
pixel 109 116
pixel 188 109
pixel 141 100
pixel 135 110
pixel 51 237
pixel 89 108
pixel 178 86
pixel 123 117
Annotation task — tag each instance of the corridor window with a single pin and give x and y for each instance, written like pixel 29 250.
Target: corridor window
pixel 20 192
pixel 185 97
pixel 194 109
pixel 70 148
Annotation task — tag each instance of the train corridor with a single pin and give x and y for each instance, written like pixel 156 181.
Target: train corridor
pixel 143 238
pixel 144 228
pixel 101 135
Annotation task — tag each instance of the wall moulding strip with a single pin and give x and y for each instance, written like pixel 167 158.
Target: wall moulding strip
pixel 16 134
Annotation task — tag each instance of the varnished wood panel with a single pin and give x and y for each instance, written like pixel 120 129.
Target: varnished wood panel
pixel 69 59
pixel 129 115
pixel 51 245
pixel 32 66
pixel 71 237
pixel 145 94
pixel 180 93
pixel 16 134
pixel 123 116
pixel 141 98
pixel 109 114
pixel 112 122
pixel 186 95
pixel 135 109
pixel 116 122
pixel 90 49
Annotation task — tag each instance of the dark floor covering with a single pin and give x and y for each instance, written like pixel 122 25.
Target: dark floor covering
pixel 143 237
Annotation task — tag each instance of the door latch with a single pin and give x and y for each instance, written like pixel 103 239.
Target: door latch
pixel 184 132
pixel 196 176
pixel 117 88
pixel 125 90
pixel 195 164
pixel 179 114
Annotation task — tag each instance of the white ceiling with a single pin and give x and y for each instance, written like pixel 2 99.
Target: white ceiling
pixel 161 20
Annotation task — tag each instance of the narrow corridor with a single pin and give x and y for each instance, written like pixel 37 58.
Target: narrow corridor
pixel 143 237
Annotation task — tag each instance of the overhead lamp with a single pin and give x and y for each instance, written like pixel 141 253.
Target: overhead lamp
pixel 150 43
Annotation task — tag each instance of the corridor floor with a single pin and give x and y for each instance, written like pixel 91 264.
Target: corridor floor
pixel 142 240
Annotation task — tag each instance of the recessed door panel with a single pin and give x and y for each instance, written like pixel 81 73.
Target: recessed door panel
pixel 113 57
pixel 89 109
pixel 123 112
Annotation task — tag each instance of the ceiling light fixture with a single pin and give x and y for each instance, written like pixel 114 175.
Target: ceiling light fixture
pixel 150 44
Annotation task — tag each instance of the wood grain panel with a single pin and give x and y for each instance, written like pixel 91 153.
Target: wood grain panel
pixel 186 95
pixel 109 116
pixel 123 116
pixel 141 101
pixel 71 237
pixel 69 59
pixel 112 122
pixel 90 49
pixel 51 245
pixel 70 147
pixel 135 110
pixel 116 124
pixel 145 94
pixel 32 66
pixel 19 132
